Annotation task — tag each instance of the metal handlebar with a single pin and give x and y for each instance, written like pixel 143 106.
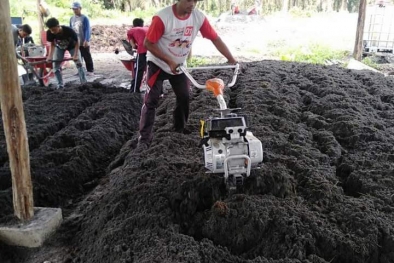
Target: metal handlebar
pixel 197 85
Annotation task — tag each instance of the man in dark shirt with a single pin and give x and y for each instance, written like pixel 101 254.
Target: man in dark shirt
pixel 63 38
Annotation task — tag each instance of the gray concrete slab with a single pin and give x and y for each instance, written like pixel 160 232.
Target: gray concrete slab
pixel 34 232
pixel 355 64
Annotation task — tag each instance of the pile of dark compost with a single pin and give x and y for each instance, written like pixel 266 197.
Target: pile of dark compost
pixel 105 39
pixel 323 194
pixel 73 134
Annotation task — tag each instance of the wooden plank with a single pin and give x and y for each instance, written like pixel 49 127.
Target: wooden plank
pixel 14 120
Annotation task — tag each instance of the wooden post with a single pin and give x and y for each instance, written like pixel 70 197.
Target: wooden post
pixel 14 120
pixel 40 21
pixel 358 46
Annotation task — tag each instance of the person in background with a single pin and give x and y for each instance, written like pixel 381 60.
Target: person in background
pixel 257 5
pixel 136 36
pixel 234 8
pixel 81 25
pixel 26 40
pixel 20 33
pixel 170 27
pixel 63 38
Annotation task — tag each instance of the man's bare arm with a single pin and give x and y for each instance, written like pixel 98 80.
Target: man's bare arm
pixel 155 50
pixel 133 44
pixel 223 49
pixel 76 51
pixel 50 51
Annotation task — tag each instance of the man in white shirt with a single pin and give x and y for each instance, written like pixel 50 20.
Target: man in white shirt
pixel 169 41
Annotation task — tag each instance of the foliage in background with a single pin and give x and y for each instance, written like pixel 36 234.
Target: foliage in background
pixel 144 8
pixel 125 11
pixel 314 53
pixel 144 14
pixel 196 61
pixel 371 62
pixel 298 12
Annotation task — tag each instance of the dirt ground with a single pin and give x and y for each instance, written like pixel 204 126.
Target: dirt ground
pixel 325 191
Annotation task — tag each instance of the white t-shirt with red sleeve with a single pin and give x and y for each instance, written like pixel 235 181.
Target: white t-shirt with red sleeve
pixel 174 35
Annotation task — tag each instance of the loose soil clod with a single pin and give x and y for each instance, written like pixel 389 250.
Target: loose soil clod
pixel 220 208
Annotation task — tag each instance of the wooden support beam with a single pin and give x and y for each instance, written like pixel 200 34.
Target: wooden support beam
pixel 40 21
pixel 14 120
pixel 358 46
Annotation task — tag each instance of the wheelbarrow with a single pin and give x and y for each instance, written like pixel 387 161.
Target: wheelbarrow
pixel 40 68
pixel 36 65
pixel 131 63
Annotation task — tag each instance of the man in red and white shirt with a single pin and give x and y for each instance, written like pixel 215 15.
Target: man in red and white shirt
pixel 136 36
pixel 169 41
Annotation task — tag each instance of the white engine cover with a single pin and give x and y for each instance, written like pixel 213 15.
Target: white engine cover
pixel 255 149
pixel 218 152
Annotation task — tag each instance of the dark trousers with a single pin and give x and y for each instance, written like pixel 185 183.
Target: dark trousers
pixel 87 57
pixel 181 87
pixel 139 68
